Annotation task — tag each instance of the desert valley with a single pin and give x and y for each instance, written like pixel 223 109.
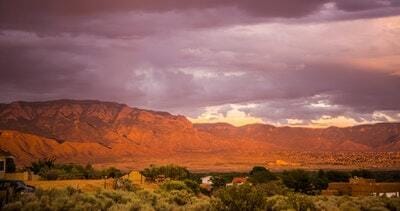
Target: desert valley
pixel 110 134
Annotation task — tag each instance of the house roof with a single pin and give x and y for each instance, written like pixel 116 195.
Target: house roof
pixel 4 153
pixel 237 180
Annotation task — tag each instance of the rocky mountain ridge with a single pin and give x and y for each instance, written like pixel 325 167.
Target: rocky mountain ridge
pixel 106 132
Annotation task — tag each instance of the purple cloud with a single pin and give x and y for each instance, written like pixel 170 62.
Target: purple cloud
pixel 184 56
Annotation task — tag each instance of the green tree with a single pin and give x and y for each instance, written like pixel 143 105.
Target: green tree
pixel 170 171
pixel 319 181
pixel 298 180
pixel 362 173
pixel 260 174
pixel 41 164
pixel 337 176
pixel 112 172
pixel 218 182
pixel 47 168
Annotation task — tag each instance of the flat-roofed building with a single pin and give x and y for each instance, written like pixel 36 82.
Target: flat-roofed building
pixel 5 159
pixel 363 187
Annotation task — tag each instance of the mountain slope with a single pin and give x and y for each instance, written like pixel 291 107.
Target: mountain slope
pixel 106 132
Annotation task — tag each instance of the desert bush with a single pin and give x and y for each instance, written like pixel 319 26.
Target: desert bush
pixel 72 199
pixel 174 185
pixel 356 203
pixel 272 188
pixel 393 204
pixel 125 185
pixel 192 185
pixel 243 197
pixel 179 197
pixel 291 202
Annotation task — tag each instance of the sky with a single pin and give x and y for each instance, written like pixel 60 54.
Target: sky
pixel 309 63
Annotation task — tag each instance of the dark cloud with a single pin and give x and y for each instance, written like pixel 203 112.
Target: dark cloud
pixel 267 8
pixel 359 5
pixel 125 17
pixel 365 91
pixel 343 86
pixel 185 55
pixel 58 8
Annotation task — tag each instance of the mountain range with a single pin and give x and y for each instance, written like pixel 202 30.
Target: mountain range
pixel 107 133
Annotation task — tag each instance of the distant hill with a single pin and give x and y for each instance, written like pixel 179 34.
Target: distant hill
pixel 111 133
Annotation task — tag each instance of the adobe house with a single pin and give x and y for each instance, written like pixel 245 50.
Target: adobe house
pixel 7 169
pixel 6 160
pixel 363 187
pixel 136 177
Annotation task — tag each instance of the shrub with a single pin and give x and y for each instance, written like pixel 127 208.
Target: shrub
pixel 174 185
pixel 46 163
pixel 50 174
pixel 192 185
pixel 112 172
pixel 319 181
pixel 298 180
pixel 291 202
pixel 260 174
pixel 218 182
pixel 337 176
pixel 125 185
pixel 243 197
pixel 170 171
pixel 48 169
pixel 272 188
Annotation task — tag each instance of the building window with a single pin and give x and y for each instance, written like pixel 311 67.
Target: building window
pixel 1 165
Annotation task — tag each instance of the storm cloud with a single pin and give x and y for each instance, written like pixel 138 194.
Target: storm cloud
pixel 275 61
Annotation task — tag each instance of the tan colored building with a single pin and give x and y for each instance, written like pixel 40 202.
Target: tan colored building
pixel 363 187
pixel 135 177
